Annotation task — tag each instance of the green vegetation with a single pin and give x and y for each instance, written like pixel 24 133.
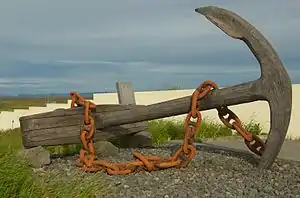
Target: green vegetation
pixel 17 179
pixel 165 130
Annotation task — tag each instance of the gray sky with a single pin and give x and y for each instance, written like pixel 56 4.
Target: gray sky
pixel 65 45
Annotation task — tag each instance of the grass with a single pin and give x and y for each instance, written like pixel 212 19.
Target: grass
pixel 165 130
pixel 17 178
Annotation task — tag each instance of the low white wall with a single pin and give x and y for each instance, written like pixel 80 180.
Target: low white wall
pixel 257 111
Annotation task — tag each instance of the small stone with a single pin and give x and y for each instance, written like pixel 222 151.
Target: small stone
pixel 126 186
pixel 281 168
pixel 268 189
pixel 252 192
pixel 68 172
pixel 285 166
pixel 138 140
pixel 105 149
pixel 36 157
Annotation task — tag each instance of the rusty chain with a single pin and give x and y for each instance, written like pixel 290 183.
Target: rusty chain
pixel 252 141
pixel 181 158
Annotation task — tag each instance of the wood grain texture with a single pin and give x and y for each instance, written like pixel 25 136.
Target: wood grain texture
pixel 71 135
pixel 115 115
pixel 126 95
pixel 274 84
pixel 62 126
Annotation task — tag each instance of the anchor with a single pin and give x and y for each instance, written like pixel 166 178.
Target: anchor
pixel 274 86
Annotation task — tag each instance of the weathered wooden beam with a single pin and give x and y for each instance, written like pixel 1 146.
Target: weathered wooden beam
pixel 67 125
pixel 71 135
pixel 114 115
pixel 39 130
pixel 62 125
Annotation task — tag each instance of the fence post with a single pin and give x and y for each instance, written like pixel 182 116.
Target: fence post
pixel 126 97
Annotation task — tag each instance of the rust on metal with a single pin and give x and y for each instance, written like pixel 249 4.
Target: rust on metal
pixel 258 147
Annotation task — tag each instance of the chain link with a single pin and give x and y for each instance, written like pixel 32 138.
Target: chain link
pixel 253 142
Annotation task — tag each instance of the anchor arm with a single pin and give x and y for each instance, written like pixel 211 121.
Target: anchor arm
pixel 274 84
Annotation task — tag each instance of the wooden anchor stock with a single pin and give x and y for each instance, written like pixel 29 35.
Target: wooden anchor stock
pixel 62 125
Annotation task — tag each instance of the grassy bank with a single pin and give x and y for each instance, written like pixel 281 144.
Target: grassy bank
pixel 17 179
pixel 11 103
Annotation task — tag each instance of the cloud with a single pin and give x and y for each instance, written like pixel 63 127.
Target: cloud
pixel 89 45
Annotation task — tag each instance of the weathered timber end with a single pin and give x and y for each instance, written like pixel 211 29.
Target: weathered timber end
pixel 62 126
pixel 126 97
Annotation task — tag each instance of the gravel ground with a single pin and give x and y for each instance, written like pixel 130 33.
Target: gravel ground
pixel 212 173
